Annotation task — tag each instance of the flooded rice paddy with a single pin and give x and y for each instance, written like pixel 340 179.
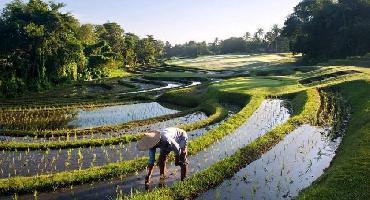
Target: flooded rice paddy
pixel 190 118
pixel 114 115
pixel 286 169
pixel 270 114
pixel 82 118
pixel 36 162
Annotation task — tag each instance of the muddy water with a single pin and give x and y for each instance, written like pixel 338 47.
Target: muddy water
pixel 114 115
pixel 190 118
pixel 270 114
pixel 281 173
pixel 29 163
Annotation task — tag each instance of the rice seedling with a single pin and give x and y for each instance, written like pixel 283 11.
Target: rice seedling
pixel 58 158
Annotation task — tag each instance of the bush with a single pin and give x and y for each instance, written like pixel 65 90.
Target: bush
pixel 12 87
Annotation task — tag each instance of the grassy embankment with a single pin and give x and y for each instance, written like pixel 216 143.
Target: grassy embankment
pixel 307 104
pixel 68 178
pixel 355 147
pixel 349 174
pixel 255 88
pixel 215 111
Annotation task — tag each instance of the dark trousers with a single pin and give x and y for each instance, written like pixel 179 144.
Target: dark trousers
pixel 180 160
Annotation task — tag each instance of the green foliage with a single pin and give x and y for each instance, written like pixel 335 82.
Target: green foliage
pixel 148 49
pixel 121 169
pixel 348 176
pixel 37 41
pixel 67 178
pixel 11 87
pixel 103 129
pixel 86 34
pixel 325 29
pixel 19 146
pixel 215 174
pixel 261 42
pixel 233 45
pixel 40 46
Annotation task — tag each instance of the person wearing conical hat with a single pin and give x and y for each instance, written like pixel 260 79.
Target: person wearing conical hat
pixel 167 140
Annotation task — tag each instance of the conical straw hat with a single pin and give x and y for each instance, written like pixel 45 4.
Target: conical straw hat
pixel 149 140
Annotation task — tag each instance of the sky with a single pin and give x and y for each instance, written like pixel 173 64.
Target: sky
pixel 179 21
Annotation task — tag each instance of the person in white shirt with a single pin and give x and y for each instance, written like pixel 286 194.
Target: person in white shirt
pixel 167 140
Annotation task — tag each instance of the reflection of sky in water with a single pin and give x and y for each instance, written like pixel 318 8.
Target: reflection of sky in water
pixel 286 169
pixel 270 114
pixel 51 161
pixel 168 86
pixel 114 115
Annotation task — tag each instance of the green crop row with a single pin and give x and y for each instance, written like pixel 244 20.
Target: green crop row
pixel 218 113
pixel 102 129
pixel 227 167
pixel 82 143
pixel 50 181
pixel 349 173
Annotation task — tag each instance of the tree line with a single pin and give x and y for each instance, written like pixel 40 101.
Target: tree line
pixel 326 29
pixel 40 46
pixel 271 41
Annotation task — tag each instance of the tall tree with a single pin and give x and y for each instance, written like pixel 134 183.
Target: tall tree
pixel 324 29
pixel 233 45
pixel 272 37
pixel 130 50
pixel 86 34
pixel 39 43
pixel 114 35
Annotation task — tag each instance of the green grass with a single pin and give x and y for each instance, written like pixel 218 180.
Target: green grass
pixel 81 143
pixel 248 83
pixel 62 179
pixel 102 129
pixel 215 111
pixel 177 75
pixel 348 177
pixel 119 73
pixel 227 62
pixel 225 168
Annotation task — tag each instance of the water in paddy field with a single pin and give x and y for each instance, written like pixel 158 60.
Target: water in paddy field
pixel 82 118
pixel 270 114
pixel 130 149
pixel 38 162
pixel 33 162
pixel 168 86
pixel 190 118
pixel 114 115
pixel 286 169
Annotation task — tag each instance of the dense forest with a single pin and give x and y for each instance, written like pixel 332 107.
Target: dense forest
pixel 325 29
pixel 40 46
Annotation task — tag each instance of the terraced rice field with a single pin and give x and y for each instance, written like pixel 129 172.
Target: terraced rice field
pixel 282 172
pixel 255 137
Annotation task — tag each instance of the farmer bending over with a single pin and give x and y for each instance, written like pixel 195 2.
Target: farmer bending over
pixel 167 140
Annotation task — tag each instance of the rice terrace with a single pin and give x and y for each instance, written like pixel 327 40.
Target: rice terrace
pixel 282 113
